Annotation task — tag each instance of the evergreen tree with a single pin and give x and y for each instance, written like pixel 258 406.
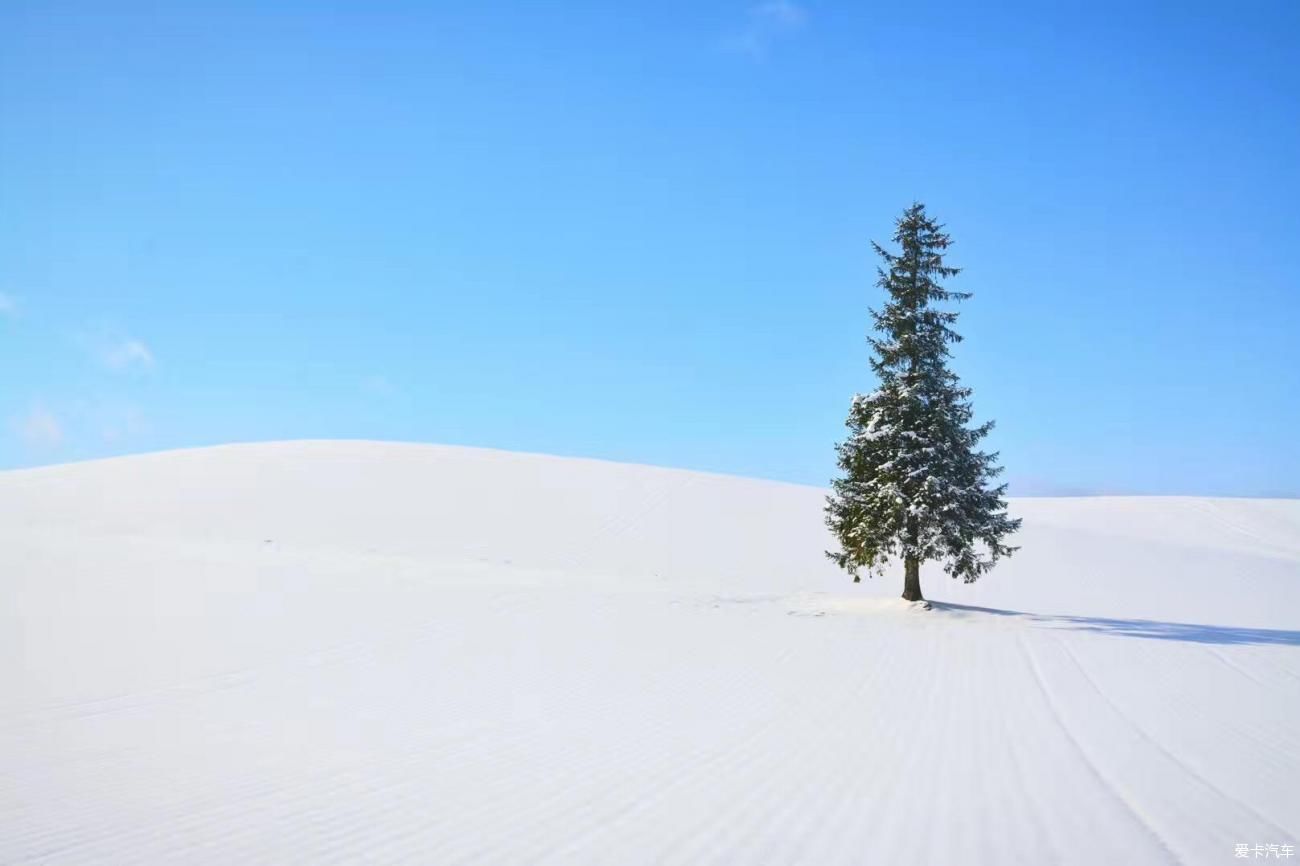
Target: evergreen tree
pixel 914 486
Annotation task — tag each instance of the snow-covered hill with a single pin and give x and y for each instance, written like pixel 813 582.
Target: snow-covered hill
pixel 342 652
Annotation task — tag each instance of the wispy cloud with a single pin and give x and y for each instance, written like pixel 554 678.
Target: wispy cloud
pixel 8 305
pixel 82 421
pixel 40 428
pixel 121 422
pixel 125 354
pixel 765 24
pixel 116 351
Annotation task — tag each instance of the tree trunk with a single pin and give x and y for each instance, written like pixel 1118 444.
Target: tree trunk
pixel 912 580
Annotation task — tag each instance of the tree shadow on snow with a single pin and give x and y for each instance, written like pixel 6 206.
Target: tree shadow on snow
pixel 1144 628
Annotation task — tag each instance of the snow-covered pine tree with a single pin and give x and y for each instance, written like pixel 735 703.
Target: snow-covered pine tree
pixel 915 487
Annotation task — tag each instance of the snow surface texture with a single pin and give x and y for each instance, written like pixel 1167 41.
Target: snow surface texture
pixel 347 652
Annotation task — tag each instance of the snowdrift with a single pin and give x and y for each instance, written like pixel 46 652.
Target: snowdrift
pixel 371 652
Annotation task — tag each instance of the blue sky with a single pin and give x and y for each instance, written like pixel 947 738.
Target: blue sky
pixel 640 231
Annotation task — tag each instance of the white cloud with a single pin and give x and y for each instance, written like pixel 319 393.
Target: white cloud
pixel 40 428
pixel 121 422
pixel 114 422
pixel 126 353
pixel 765 24
pixel 8 305
pixel 114 349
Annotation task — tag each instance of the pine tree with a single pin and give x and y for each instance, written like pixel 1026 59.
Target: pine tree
pixel 914 486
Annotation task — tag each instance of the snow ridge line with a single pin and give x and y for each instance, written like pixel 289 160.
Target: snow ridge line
pixel 1116 790
pixel 1178 762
